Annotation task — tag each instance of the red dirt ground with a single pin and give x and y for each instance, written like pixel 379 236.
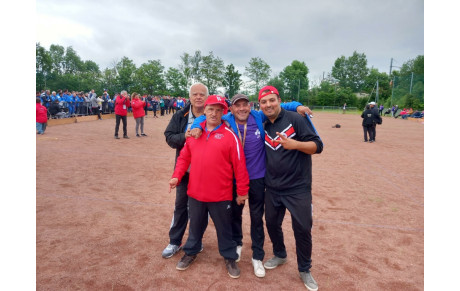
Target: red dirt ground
pixel 103 212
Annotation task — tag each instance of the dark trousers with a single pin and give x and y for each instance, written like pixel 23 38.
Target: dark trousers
pixel 96 111
pixel 117 124
pixel 299 206
pixel 162 111
pixel 256 213
pixel 369 130
pixel 181 213
pixel 221 214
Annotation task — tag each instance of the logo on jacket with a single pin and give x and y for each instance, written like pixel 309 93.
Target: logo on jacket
pixel 218 135
pixel 273 143
pixel 257 133
pixel 228 206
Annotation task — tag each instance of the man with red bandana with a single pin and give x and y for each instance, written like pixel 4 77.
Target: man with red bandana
pixel 214 159
pixel 290 140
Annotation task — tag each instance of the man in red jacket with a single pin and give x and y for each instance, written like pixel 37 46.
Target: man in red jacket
pixel 121 111
pixel 42 117
pixel 214 159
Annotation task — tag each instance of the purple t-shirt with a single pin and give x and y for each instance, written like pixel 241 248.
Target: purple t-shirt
pixel 254 149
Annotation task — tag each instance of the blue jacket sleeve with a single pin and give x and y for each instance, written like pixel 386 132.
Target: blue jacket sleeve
pixel 200 119
pixel 197 121
pixel 290 106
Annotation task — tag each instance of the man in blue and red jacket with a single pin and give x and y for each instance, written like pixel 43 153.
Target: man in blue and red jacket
pixel 214 159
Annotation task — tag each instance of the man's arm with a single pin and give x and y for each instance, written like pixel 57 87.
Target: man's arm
pixel 175 138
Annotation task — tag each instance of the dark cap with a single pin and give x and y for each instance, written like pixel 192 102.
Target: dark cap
pixel 239 97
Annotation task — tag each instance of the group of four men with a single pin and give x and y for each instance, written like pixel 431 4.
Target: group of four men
pixel 263 156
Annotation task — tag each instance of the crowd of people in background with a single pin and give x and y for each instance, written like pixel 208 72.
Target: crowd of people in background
pixel 65 103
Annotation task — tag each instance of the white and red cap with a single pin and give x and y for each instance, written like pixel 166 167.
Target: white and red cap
pixel 216 99
pixel 270 89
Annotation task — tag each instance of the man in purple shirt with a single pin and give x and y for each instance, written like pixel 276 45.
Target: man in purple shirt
pixel 248 125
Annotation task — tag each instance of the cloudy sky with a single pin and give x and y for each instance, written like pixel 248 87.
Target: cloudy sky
pixel 315 32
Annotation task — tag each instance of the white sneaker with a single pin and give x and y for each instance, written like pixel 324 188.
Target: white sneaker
pixel 259 269
pixel 238 251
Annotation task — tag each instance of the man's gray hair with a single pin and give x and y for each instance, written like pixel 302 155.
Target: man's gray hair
pixel 190 90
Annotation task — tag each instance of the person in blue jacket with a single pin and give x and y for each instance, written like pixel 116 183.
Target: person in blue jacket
pixel 248 125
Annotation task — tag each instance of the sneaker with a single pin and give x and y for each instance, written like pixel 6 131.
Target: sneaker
pixel 170 251
pixel 185 262
pixel 143 134
pixel 138 135
pixel 125 136
pixel 116 137
pixel 308 280
pixel 232 268
pixel 238 251
pixel 259 269
pixel 202 247
pixel 274 262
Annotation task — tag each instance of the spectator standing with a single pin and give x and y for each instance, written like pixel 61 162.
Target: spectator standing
pixel 381 109
pixel 344 108
pixel 290 140
pixel 121 111
pixel 138 113
pixel 215 158
pixel 41 117
pixel 95 105
pixel 162 106
pixel 154 104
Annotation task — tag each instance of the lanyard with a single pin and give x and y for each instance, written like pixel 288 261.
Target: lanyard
pixel 243 140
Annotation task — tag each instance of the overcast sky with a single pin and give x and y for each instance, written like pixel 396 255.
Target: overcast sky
pixel 315 32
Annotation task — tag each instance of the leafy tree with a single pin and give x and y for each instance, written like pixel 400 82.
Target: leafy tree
pixel 296 80
pixel 370 82
pixel 43 65
pixel 72 62
pixel 212 72
pixel 57 57
pixel 125 70
pixel 232 80
pixel 149 78
pixel 186 68
pixel 351 72
pixel 259 73
pixel 176 82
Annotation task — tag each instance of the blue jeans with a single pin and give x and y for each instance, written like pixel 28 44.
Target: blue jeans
pixel 41 127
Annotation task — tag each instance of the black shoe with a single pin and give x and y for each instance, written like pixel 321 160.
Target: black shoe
pixel 116 137
pixel 185 262
pixel 125 136
pixel 143 134
pixel 138 135
pixel 232 268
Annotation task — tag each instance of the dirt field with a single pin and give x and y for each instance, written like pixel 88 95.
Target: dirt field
pixel 103 212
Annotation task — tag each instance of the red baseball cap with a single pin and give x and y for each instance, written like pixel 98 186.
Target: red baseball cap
pixel 216 99
pixel 271 89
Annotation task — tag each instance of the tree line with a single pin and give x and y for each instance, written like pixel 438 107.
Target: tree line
pixel 62 68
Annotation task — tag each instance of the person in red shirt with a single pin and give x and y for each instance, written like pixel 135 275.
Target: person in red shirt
pixel 215 158
pixel 42 117
pixel 138 113
pixel 121 111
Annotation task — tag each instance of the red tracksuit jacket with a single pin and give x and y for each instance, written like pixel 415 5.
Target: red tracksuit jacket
pixel 138 108
pixel 41 114
pixel 119 108
pixel 214 159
